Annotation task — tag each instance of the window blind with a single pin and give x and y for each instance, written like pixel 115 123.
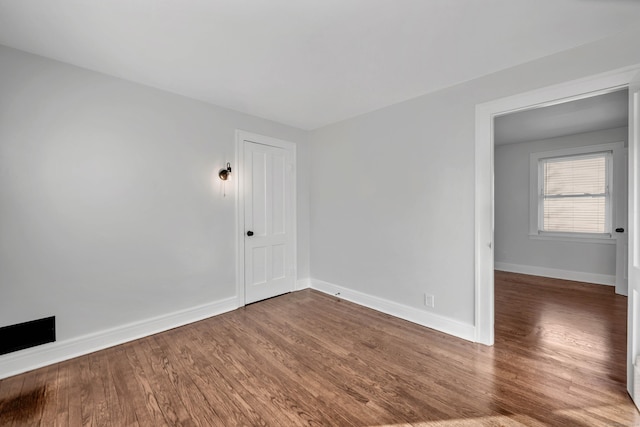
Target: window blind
pixel 575 194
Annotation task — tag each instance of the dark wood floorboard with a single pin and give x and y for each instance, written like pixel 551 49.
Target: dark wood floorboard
pixel 311 359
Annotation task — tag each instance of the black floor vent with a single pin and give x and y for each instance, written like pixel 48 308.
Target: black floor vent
pixel 27 334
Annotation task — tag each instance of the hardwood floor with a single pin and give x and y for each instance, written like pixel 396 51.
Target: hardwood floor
pixel 310 359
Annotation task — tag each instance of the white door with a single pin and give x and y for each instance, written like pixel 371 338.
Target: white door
pixel 268 221
pixel 622 251
pixel 620 225
pixel 633 328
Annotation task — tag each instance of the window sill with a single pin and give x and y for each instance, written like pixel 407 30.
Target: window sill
pixel 604 240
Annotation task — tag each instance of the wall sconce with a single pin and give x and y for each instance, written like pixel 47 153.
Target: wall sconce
pixel 224 173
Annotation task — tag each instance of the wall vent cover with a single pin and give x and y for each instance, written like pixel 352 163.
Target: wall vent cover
pixel 27 334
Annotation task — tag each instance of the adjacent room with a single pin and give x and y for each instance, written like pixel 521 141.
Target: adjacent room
pixel 565 132
pixel 290 213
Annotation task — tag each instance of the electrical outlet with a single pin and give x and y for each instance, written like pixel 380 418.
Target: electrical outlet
pixel 429 300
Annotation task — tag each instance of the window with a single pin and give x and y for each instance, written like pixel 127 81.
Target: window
pixel 573 195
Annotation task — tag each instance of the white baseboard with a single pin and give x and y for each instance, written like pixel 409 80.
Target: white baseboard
pixel 47 354
pixel 599 279
pixel 303 284
pixel 424 318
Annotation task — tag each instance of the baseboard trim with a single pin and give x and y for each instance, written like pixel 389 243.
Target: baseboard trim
pixel 430 320
pixel 47 354
pixel 598 279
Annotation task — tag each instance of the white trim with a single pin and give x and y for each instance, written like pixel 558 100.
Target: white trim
pixel 598 239
pixel 239 188
pixel 303 284
pixel 484 225
pixel 633 254
pixel 578 276
pixel 484 173
pixel 447 325
pixel 242 136
pixel 47 354
pixel 614 153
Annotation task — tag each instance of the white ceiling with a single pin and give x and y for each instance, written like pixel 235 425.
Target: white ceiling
pixel 585 115
pixel 306 63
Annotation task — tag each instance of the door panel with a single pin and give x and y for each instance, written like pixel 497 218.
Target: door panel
pixel 256 219
pixel 258 266
pixel 622 264
pixel 278 261
pixel 269 252
pixel 621 222
pixel 278 206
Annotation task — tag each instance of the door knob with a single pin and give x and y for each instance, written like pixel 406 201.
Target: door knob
pixel 249 233
pixel 620 230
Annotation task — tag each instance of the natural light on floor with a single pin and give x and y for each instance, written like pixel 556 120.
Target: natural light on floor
pixel 573 417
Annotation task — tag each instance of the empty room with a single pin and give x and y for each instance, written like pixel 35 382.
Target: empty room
pixel 340 213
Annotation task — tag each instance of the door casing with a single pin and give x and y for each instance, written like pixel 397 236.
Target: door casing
pixel 484 175
pixel 633 319
pixel 484 191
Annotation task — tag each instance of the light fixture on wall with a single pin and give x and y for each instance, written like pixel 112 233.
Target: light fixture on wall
pixel 225 173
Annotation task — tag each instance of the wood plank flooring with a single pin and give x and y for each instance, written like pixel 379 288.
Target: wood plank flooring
pixel 310 359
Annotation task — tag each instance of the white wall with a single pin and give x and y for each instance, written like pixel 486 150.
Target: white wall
pixel 111 212
pixel 512 242
pixel 392 191
pixel 111 209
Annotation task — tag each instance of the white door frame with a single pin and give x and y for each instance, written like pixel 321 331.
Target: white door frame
pixel 484 175
pixel 242 136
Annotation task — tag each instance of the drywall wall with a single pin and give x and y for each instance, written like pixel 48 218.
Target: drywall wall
pixel 392 191
pixel 111 209
pixel 512 242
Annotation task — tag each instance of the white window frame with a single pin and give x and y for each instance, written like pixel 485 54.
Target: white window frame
pixel 536 181
pixel 608 156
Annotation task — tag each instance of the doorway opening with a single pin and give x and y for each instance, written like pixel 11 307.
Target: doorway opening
pixel 484 201
pixel 560 192
pixel 560 203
